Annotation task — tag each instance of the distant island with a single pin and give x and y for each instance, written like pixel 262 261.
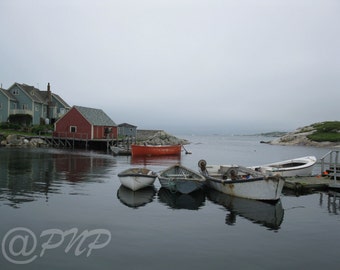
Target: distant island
pixel 323 134
pixel 273 134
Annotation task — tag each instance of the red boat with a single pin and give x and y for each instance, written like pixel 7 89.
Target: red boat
pixel 155 150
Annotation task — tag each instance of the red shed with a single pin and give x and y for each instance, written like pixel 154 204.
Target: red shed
pixel 85 123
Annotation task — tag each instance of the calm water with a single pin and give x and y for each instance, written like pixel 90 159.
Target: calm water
pixel 63 209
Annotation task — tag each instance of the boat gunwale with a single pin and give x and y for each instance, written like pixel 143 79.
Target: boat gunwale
pixel 197 175
pixel 137 172
pixel 137 175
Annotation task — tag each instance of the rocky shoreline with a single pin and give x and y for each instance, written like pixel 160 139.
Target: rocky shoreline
pixel 299 137
pixel 15 140
pixel 158 137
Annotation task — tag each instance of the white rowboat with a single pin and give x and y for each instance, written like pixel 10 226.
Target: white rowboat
pixel 137 178
pixel 302 166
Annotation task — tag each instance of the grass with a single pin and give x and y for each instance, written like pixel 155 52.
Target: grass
pixel 6 130
pixel 326 131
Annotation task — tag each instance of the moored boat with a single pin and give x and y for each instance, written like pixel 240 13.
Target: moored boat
pixel 242 182
pixel 155 150
pixel 137 178
pixel 120 151
pixel 302 166
pixel 178 178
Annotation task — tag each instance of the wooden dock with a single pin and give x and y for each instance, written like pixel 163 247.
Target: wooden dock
pixel 308 183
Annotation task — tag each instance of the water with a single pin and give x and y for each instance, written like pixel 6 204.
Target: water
pixel 48 192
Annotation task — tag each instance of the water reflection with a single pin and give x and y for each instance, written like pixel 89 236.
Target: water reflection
pixel 135 199
pixel 29 174
pixel 176 200
pixel 333 202
pixel 160 160
pixel 265 214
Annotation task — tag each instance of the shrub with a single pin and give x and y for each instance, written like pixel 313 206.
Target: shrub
pixel 326 131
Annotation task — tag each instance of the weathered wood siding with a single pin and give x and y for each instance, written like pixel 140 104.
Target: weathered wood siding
pixel 73 119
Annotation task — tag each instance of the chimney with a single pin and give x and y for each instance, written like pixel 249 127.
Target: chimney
pixel 49 94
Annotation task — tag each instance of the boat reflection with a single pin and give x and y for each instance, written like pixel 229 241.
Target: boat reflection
pixel 135 199
pixel 176 200
pixel 157 160
pixel 263 213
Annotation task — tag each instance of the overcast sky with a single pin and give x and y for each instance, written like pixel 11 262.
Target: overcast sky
pixel 185 66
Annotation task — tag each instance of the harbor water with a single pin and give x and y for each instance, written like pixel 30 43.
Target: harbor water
pixel 66 209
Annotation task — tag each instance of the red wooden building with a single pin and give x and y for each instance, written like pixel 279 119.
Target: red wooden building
pixel 85 123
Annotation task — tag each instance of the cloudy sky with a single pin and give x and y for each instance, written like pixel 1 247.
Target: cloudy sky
pixel 185 66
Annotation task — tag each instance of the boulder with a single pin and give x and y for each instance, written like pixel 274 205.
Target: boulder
pixel 163 138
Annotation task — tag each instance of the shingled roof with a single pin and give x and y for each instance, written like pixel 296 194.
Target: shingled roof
pixel 96 117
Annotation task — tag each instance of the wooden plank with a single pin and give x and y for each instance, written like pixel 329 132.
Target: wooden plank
pixel 304 183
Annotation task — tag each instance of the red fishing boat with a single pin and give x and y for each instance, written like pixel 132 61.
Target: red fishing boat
pixel 155 150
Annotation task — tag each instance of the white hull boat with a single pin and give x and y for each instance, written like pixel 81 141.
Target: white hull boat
pixel 137 178
pixel 242 182
pixel 302 166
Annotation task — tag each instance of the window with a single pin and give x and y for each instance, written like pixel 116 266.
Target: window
pixel 25 106
pixel 73 129
pixel 36 108
pixel 15 92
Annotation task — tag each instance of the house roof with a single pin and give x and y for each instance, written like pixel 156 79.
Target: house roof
pixel 95 117
pixel 61 100
pixel 33 92
pixel 44 94
pixel 126 125
pixel 8 94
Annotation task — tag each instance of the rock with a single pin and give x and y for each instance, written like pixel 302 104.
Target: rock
pixel 299 137
pixel 37 142
pixel 13 140
pixel 163 138
pixel 20 141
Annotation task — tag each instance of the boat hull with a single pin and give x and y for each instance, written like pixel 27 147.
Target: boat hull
pixel 155 150
pixel 242 182
pixel 136 179
pixel 178 178
pixel 119 151
pixel 257 189
pixel 184 186
pixel 289 168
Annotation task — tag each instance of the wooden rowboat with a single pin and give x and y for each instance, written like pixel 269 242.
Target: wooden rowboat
pixel 155 150
pixel 137 178
pixel 242 182
pixel 178 178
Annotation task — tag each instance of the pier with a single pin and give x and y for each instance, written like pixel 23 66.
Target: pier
pixel 309 183
pixel 84 143
pixel 329 177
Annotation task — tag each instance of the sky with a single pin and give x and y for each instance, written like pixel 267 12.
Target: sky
pixel 184 66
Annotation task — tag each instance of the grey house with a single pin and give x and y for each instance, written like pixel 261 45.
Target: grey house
pixel 42 106
pixel 126 129
pixel 7 103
